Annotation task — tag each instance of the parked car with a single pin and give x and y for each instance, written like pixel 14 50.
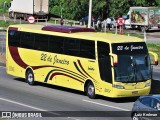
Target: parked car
pixel 113 23
pixel 127 24
pixel 145 105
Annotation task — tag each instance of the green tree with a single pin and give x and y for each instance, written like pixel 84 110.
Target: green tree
pixel 76 9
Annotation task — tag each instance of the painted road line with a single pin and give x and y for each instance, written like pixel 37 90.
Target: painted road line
pixel 73 118
pixel 105 105
pixel 28 106
pixel 21 104
pixel 3 67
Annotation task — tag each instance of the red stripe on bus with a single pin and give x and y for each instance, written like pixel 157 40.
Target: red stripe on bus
pixel 83 68
pixel 57 73
pixel 13 28
pixel 16 57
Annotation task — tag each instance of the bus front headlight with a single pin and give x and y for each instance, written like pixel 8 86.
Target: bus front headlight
pixel 118 86
pixel 148 84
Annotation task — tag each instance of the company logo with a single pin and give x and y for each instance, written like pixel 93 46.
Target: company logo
pixel 16 115
pixel 60 61
pixel 7 115
pixel 90 68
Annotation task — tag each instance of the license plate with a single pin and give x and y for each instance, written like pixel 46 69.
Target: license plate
pixel 135 92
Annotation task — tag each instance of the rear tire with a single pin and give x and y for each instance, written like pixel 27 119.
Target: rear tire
pixel 90 90
pixel 30 77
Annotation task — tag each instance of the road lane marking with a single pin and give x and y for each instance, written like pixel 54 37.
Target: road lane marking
pixel 105 105
pixel 73 118
pixel 25 105
pixel 3 67
pixel 21 104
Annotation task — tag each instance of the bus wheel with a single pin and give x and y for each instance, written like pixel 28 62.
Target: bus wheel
pixel 30 77
pixel 90 90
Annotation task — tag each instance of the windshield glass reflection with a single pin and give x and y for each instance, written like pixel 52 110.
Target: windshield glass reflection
pixel 133 68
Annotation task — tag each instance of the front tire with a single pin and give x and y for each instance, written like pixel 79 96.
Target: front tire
pixel 90 90
pixel 30 77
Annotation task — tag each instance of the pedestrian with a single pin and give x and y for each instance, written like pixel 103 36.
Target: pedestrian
pixel 99 24
pixel 61 21
pixel 108 23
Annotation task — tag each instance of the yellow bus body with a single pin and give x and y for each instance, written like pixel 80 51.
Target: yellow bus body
pixel 70 71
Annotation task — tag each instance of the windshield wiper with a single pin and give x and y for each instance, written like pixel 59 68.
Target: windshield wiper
pixel 125 79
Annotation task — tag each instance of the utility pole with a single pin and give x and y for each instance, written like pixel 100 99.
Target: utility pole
pixel 90 14
pixel 107 6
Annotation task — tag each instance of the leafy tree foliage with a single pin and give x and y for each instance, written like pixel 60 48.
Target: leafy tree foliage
pixel 76 9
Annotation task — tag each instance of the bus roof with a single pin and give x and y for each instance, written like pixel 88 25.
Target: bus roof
pixel 91 35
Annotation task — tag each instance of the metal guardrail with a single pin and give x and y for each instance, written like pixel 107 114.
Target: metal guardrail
pixel 66 22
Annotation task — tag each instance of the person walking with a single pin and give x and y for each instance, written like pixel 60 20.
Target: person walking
pixel 99 24
pixel 61 21
pixel 108 23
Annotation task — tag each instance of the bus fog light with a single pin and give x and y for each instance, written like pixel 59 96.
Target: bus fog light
pixel 148 84
pixel 118 86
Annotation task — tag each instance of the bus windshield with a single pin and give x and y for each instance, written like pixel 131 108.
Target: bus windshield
pixel 133 62
pixel 133 68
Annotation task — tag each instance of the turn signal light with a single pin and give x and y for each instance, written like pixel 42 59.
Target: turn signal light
pixel 156 62
pixel 115 63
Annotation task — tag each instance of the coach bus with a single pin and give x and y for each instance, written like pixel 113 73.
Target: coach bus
pixel 81 59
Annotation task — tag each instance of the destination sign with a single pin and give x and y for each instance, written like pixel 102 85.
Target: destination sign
pixel 129 48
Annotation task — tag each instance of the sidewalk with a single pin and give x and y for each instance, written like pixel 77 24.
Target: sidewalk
pixel 153 40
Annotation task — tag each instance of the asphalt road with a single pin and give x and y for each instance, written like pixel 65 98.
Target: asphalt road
pixel 16 95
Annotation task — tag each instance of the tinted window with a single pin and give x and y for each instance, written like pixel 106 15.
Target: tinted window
pixel 41 42
pixel 103 49
pixel 146 101
pixel 27 40
pixel 72 46
pixel 87 49
pixel 104 61
pixel 56 44
pixel 14 38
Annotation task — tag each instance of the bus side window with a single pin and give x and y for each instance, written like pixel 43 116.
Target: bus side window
pixel 71 46
pixel 87 49
pixel 56 44
pixel 27 40
pixel 41 42
pixel 104 61
pixel 14 38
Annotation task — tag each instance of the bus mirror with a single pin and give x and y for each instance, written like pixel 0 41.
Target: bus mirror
pixel 114 59
pixel 154 58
